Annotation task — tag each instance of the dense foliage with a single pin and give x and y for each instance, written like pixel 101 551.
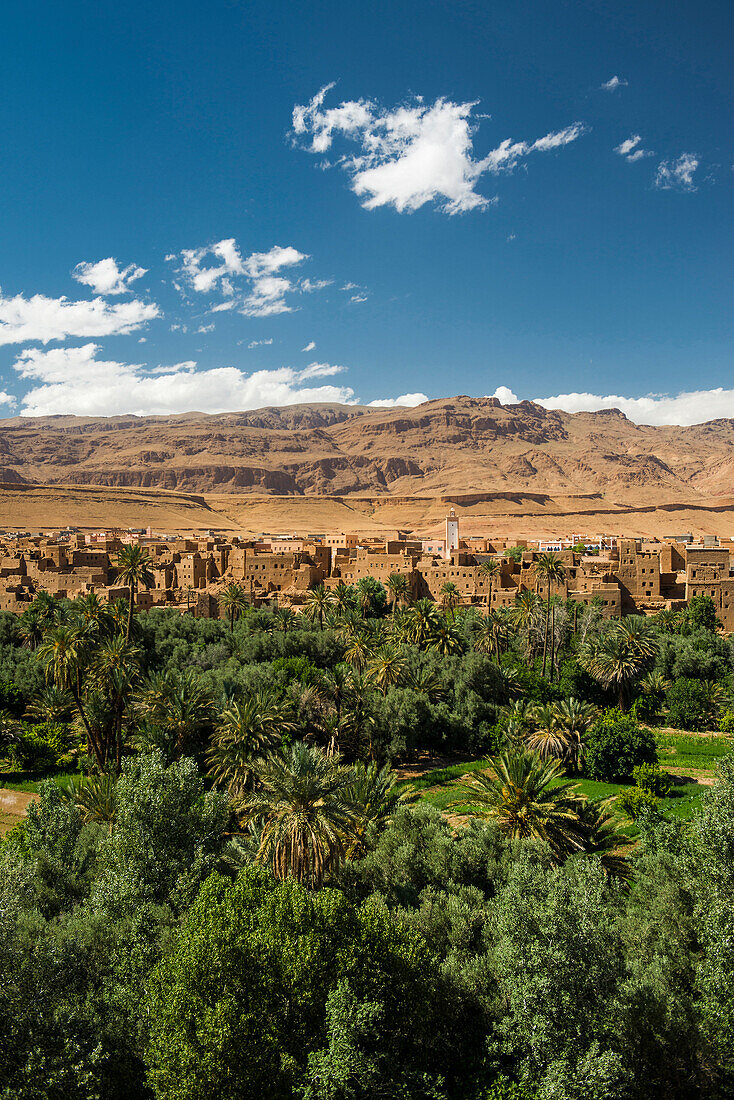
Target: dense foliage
pixel 231 896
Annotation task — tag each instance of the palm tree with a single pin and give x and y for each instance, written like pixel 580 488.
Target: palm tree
pixel 178 704
pixel 52 704
pixel 549 569
pixel 549 739
pixel 30 629
pixel 95 798
pixel 488 570
pixel 398 588
pixel 421 622
pixel 318 601
pixel 302 813
pixel 114 672
pixel 284 618
pixel 343 598
pixel 450 596
pixel 575 718
pixel 359 651
pixel 339 685
pixel 368 589
pixel 518 793
pixel 386 668
pixel 64 655
pixel 601 836
pixel 374 795
pixel 427 682
pixel 246 733
pixel 233 602
pixel 133 569
pixel 446 638
pixel 46 608
pixel 620 656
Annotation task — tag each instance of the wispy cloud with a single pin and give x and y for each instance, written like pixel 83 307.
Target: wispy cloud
pixel 259 343
pixel 256 285
pixel 415 153
pixel 677 175
pixel 613 83
pixel 632 150
pixel 106 276
pixel 309 346
pixel 43 319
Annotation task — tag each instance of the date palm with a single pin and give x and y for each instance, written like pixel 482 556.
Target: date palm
pixel 318 602
pixel 601 836
pixel 450 597
pixel 113 672
pixel 446 638
pixel 178 704
pixel 133 570
pixel 398 588
pixel 343 598
pixel 549 570
pixel 374 795
pixel 548 737
pixel 233 602
pixel 52 704
pixel 521 794
pixel 64 655
pixel 284 619
pixel 386 668
pixel 359 650
pixel 620 656
pixel 576 719
pixel 421 622
pixel 301 813
pixel 488 570
pixel 30 629
pixel 247 731
pixel 95 797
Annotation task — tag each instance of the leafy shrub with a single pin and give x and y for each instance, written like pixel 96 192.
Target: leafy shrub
pixel 649 777
pixel 689 705
pixel 701 614
pixel 615 745
pixel 636 801
pixel 38 748
pixel 726 722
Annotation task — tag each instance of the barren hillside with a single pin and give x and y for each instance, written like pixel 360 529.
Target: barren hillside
pixel 450 446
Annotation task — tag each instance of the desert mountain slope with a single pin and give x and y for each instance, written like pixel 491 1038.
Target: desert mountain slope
pixel 460 445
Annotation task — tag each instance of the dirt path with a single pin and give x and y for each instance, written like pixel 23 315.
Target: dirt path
pixel 13 806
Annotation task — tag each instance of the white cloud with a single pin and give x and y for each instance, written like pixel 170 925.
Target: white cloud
pixel 505 395
pixel 359 298
pixel 204 278
pixel 106 277
pixel 631 149
pixel 414 154
pixel 259 343
pixel 694 407
pixel 7 399
pixel 73 380
pixel 318 370
pixel 677 175
pixel 44 319
pixel 205 328
pixel 407 399
pixel 309 346
pixel 255 284
pixel 613 83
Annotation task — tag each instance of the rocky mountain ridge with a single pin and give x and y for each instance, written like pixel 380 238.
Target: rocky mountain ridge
pixel 454 445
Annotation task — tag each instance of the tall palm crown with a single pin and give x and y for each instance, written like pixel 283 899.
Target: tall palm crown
pixel 247 731
pixel 488 570
pixel 518 794
pixel 302 812
pixel 621 656
pixel 549 569
pixel 387 667
pixel 318 602
pixel 233 602
pixel 133 570
pixel 450 595
pixel 398 589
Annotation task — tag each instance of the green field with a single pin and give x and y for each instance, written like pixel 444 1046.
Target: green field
pixel 689 758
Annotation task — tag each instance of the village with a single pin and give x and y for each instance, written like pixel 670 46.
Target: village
pixel 619 575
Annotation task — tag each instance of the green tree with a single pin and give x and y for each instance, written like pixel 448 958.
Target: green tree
pixel 550 572
pixel 620 656
pixel 247 732
pixel 133 570
pixel 488 570
pixel 398 589
pixel 233 602
pixel 301 813
pixel 615 745
pixel 318 602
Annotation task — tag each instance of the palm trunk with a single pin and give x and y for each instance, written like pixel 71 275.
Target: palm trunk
pixel 91 739
pixel 130 613
pixel 545 635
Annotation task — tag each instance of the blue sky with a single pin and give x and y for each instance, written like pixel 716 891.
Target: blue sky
pixel 227 205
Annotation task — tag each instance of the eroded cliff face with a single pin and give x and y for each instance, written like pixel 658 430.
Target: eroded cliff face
pixel 454 445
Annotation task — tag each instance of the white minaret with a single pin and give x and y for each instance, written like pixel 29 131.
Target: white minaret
pixel 452 533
